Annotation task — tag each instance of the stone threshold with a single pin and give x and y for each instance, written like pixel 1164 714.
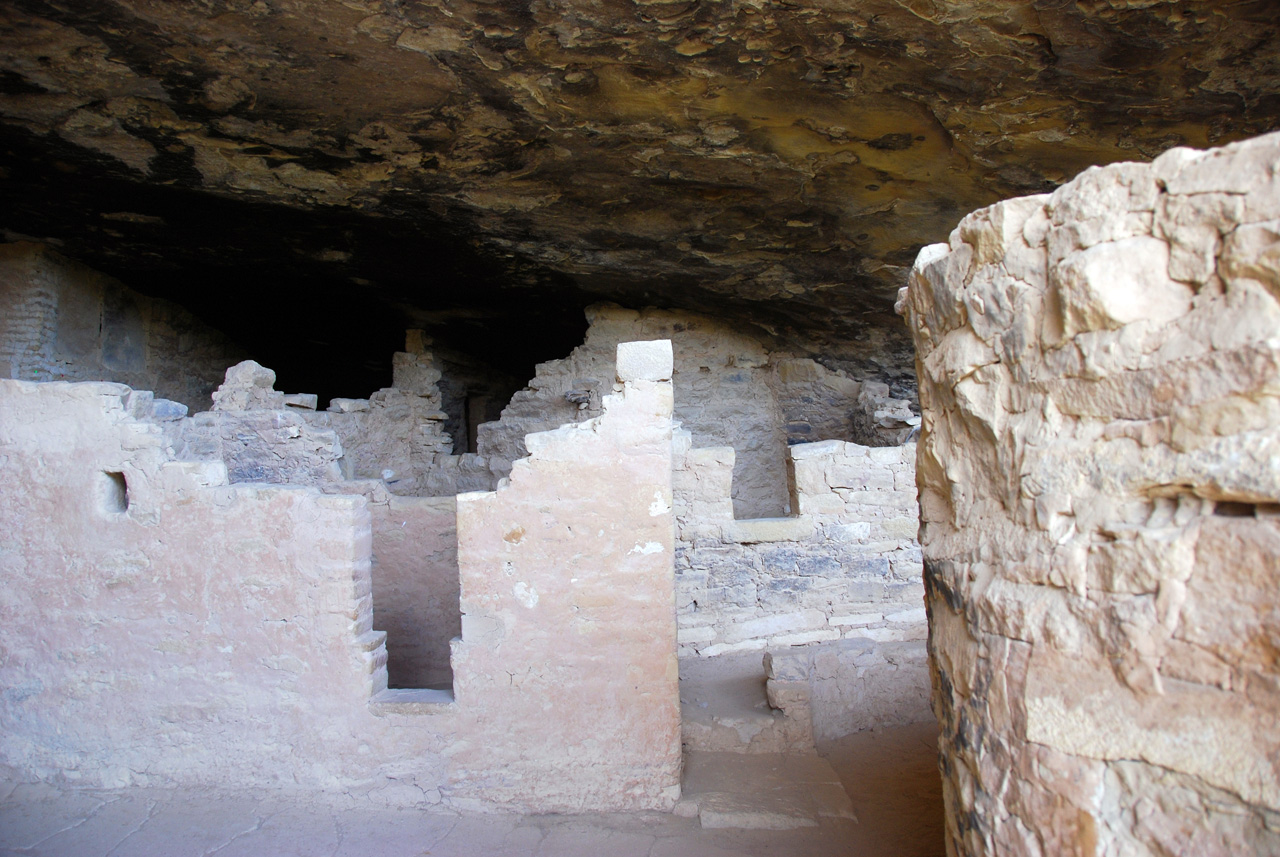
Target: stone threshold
pixel 412 701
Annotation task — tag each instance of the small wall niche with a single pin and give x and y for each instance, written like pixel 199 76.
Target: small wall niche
pixel 1236 509
pixel 113 492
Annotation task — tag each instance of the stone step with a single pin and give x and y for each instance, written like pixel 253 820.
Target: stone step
pixel 412 701
pixel 724 709
pixel 761 791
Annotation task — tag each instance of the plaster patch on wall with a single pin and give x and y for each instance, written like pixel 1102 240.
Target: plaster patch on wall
pixel 525 594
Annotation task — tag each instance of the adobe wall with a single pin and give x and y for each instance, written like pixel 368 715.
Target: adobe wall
pixel 163 627
pixel 568 609
pixel 208 635
pixel 846 566
pixel 61 321
pixel 1100 496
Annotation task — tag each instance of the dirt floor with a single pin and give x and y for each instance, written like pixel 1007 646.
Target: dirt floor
pixel 891 776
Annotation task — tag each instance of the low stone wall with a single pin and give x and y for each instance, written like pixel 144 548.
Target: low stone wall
pixel 1100 496
pixel 851 685
pixel 847 566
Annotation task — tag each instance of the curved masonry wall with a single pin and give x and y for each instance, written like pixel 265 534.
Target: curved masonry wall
pixel 1099 472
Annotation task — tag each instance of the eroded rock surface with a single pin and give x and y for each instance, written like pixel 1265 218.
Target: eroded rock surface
pixel 776 162
pixel 1100 498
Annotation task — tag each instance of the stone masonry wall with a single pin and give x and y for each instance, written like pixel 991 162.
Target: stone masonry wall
pixel 61 321
pixel 397 433
pixel 846 566
pixel 262 435
pixel 850 685
pixel 722 396
pixel 730 391
pixel 1099 472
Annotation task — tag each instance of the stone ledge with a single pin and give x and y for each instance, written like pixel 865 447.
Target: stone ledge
pixel 412 701
pixel 769 530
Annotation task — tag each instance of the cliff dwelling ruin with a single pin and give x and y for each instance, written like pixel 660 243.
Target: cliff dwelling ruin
pixel 744 427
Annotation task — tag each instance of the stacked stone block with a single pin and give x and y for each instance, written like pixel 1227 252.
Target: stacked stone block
pixel 847 566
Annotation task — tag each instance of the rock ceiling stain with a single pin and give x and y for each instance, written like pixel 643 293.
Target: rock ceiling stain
pixel 776 161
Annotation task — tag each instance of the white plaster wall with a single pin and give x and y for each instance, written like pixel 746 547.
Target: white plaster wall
pixel 211 635
pixel 415 582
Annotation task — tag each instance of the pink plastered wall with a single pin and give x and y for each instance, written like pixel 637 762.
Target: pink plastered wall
pixel 162 627
pixel 569 615
pixel 209 634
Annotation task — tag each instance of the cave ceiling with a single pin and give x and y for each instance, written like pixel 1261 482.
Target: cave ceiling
pixel 496 165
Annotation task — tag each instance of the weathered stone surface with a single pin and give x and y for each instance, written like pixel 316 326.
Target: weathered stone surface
pixel 852 685
pixel 1099 375
pixel 731 387
pixel 645 361
pixel 249 386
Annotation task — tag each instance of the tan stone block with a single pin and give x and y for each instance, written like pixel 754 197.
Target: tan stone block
pixel 1252 252
pixel 770 530
pixel 806 637
pixel 717 649
pixel 821 505
pixel 823 449
pixel 1117 283
pixel 811 476
pixel 645 361
pixel 856 619
pixel 701 634
pixel 899 528
pixel 1082 709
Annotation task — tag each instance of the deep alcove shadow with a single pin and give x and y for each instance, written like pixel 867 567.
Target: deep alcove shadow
pixel 323 297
